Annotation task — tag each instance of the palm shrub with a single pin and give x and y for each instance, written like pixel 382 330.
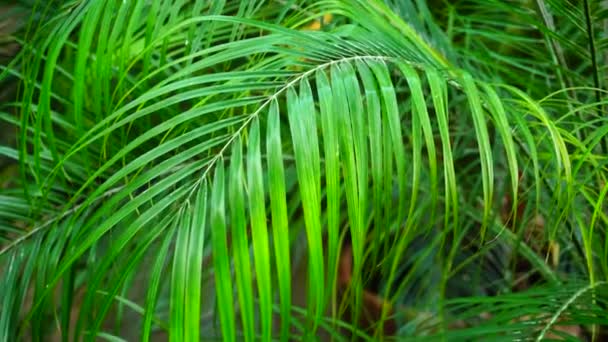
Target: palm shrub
pixel 192 170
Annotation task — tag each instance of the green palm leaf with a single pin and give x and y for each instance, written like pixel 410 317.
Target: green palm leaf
pixel 202 170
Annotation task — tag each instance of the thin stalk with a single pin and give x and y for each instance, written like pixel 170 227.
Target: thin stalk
pixel 596 77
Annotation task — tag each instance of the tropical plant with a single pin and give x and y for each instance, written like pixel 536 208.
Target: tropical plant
pixel 200 170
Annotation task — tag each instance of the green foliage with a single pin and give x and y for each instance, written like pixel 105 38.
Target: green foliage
pixel 193 170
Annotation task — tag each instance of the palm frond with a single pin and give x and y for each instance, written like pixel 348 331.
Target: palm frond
pixel 180 164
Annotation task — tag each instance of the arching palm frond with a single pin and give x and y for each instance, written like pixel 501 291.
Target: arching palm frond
pixel 197 171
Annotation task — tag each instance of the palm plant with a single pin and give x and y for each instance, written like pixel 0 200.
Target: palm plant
pixel 195 170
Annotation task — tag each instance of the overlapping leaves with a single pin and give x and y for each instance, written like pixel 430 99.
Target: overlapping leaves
pixel 174 159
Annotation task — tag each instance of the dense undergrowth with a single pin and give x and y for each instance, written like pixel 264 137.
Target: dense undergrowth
pixel 257 170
